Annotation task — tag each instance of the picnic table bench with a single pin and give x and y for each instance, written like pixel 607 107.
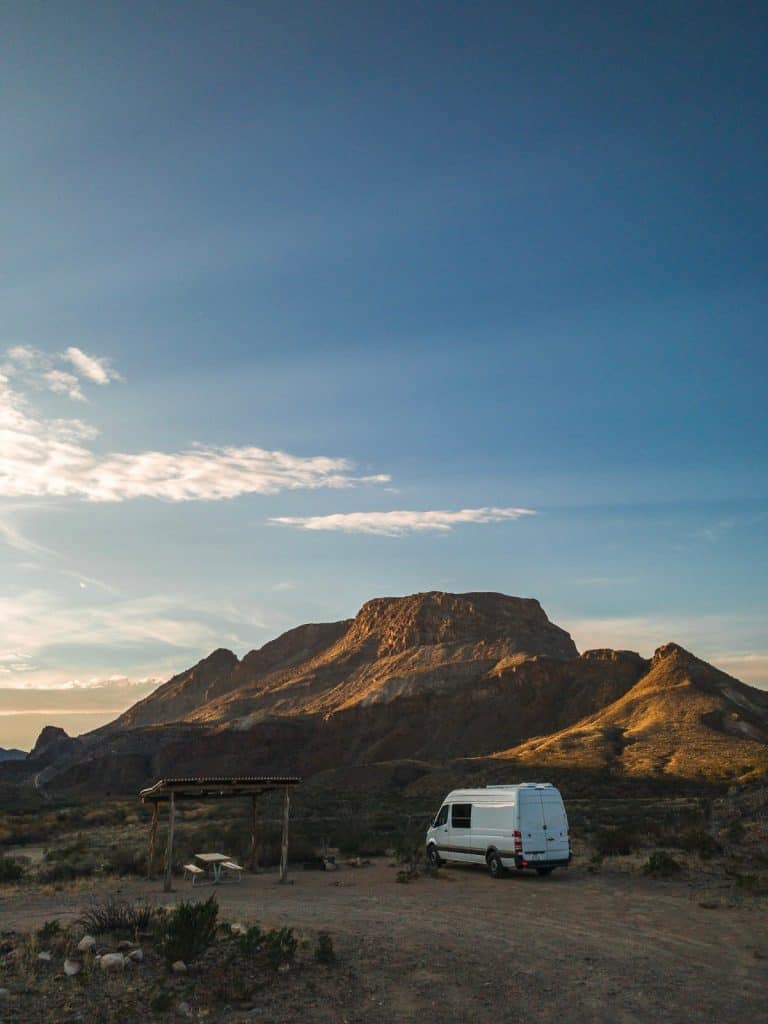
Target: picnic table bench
pixel 223 869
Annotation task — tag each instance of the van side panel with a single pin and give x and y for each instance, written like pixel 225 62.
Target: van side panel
pixel 493 828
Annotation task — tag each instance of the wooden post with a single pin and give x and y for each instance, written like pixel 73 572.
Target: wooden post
pixel 169 847
pixel 254 836
pixel 152 841
pixel 284 845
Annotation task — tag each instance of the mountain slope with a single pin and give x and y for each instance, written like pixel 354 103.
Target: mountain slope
pixel 684 717
pixel 432 676
pixel 397 647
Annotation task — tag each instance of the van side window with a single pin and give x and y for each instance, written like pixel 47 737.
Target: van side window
pixel 442 816
pixel 461 816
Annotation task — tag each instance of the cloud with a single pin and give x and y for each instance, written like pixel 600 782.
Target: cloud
pixel 396 524
pixel 93 367
pixel 42 370
pixel 49 458
pixel 64 383
pixel 73 696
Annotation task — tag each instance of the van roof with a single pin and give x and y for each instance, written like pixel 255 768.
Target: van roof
pixel 498 792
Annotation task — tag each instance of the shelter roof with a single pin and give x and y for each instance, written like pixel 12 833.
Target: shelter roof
pixel 215 787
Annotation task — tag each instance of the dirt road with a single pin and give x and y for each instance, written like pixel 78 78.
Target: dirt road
pixel 463 947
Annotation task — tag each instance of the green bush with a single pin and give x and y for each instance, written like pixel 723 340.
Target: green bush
pixel 279 946
pixel 10 870
pixel 188 930
pixel 249 943
pixel 661 864
pixel 50 930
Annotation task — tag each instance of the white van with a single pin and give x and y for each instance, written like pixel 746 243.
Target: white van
pixel 523 826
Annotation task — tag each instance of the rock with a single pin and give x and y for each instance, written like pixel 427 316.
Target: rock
pixel 330 865
pixel 112 962
pixel 284 968
pixel 4 994
pixel 86 944
pixel 72 967
pixel 44 957
pixel 136 955
pixel 185 1010
pixel 124 945
pixel 179 967
pixel 238 929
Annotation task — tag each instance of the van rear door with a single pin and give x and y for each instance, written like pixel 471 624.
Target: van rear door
pixel 555 824
pixel 532 826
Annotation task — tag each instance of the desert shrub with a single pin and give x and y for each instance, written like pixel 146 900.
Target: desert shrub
pixel 162 1001
pixel 69 852
pixel 123 860
pixel 50 930
pixel 67 870
pixel 10 869
pixel 615 842
pixel 119 917
pixel 279 946
pixel 661 864
pixel 700 842
pixel 249 943
pixel 736 831
pixel 753 884
pixel 324 951
pixel 188 930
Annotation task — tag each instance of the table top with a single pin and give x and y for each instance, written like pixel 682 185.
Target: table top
pixel 212 858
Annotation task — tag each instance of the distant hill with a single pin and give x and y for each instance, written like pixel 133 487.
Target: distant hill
pixel 12 754
pixel 432 676
pixel 683 717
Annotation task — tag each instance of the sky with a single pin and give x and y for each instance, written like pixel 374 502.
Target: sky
pixel 303 304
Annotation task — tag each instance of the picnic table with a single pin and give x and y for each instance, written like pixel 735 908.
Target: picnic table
pixel 216 862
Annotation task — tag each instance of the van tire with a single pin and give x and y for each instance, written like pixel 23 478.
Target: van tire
pixel 433 856
pixel 496 868
pixel 544 871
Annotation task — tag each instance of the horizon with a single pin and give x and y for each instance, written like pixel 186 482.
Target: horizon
pixel 302 307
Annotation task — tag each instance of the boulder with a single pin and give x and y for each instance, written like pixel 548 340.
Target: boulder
pixel 112 962
pixel 86 944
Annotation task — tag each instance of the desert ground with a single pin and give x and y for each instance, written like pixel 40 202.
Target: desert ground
pixel 460 946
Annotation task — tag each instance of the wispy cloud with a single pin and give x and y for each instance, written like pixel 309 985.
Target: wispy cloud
pixel 95 368
pixel 398 523
pixel 43 370
pixel 63 383
pixel 111 694
pixel 45 458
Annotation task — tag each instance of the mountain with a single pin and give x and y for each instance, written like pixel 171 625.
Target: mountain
pixel 12 754
pixel 433 676
pixel 683 717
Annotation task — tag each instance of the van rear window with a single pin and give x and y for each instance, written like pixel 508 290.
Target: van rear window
pixel 461 816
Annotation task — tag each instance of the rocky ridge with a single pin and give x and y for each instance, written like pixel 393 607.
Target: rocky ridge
pixel 433 676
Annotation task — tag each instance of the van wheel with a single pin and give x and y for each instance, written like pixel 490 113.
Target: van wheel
pixel 496 868
pixel 544 871
pixel 433 856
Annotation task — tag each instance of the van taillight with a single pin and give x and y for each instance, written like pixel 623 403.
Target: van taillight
pixel 518 841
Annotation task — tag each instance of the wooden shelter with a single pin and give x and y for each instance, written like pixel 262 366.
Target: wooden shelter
pixel 170 790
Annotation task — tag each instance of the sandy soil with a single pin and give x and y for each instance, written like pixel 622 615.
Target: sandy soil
pixel 463 947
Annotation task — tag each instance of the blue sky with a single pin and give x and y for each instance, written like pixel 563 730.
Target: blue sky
pixel 497 259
